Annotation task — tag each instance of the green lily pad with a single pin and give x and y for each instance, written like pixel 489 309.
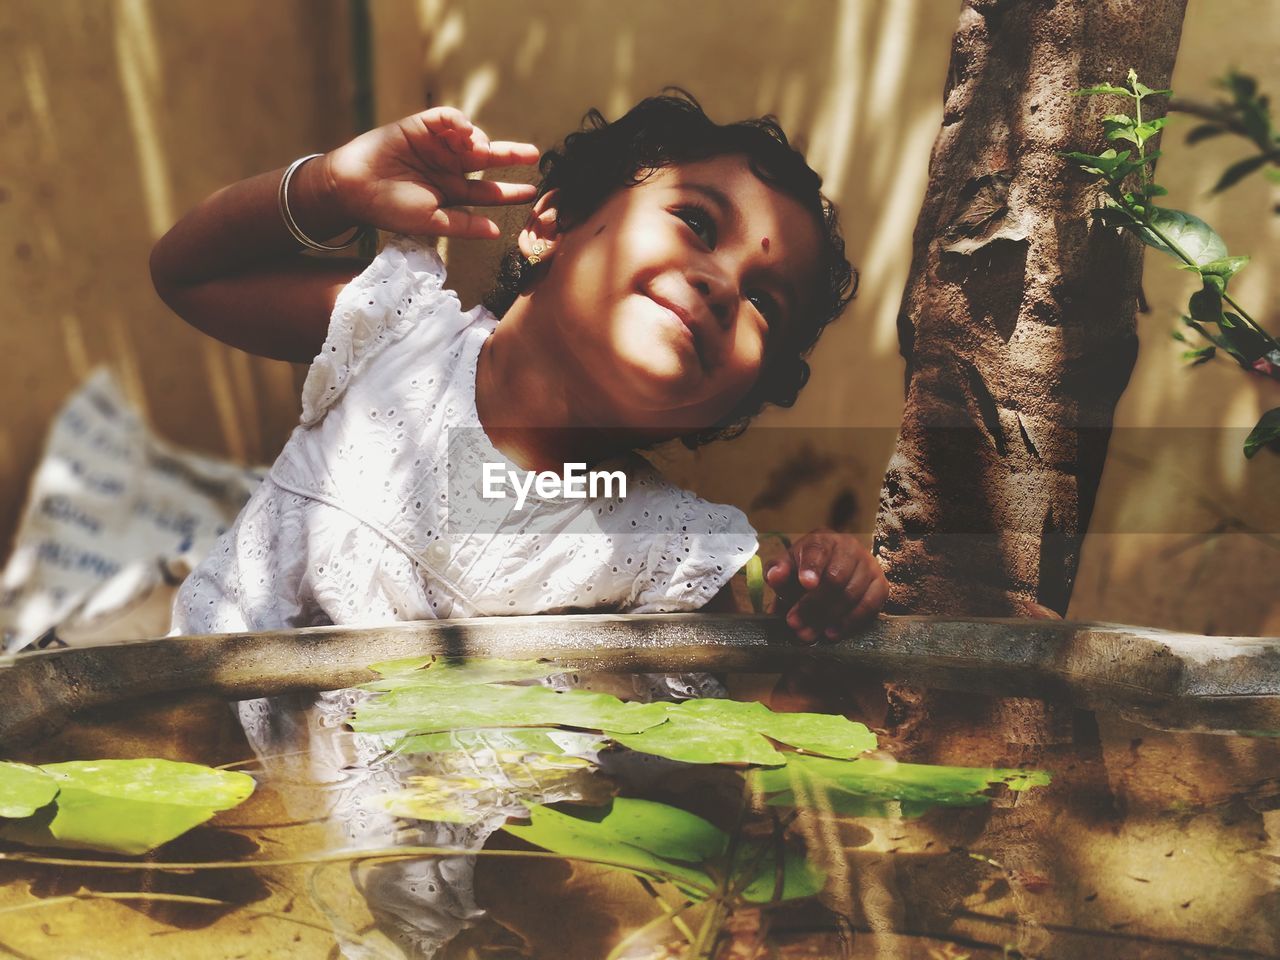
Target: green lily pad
pixel 509 744
pixel 867 787
pixel 133 806
pixel 800 878
pixel 626 835
pixel 728 731
pixel 24 789
pixel 654 839
pixel 413 710
pixel 449 799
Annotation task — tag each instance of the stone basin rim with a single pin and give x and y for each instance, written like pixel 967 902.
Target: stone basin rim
pixel 1092 663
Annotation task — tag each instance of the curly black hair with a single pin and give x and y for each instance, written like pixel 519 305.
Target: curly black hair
pixel 671 129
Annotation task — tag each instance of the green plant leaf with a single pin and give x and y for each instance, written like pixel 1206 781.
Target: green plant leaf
pixel 430 709
pixel 24 789
pixel 1120 129
pixel 639 835
pixel 1206 303
pixel 728 731
pixel 131 806
pixel 1199 356
pixel 867 787
pixel 1144 91
pixel 1226 268
pixel 1266 431
pixel 1238 171
pixel 1145 131
pixel 1195 237
pixel 1154 190
pixel 1244 342
pixel 1102 88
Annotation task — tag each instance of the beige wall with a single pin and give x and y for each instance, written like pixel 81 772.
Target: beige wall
pixel 118 115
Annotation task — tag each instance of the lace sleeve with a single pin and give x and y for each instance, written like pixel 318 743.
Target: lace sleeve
pixel 685 569
pixel 402 285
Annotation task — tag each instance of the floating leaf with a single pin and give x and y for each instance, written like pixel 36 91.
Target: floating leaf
pixel 24 789
pixel 1195 237
pixel 416 709
pixel 638 835
pixel 448 799
pixel 727 731
pixel 1267 430
pixel 800 878
pixel 651 838
pixel 864 787
pixel 507 745
pixel 131 806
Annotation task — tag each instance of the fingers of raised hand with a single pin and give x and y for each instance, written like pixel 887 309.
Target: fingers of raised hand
pixel 452 131
pixel 453 222
pixel 488 192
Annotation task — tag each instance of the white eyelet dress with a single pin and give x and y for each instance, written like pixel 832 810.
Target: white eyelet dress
pixel 371 515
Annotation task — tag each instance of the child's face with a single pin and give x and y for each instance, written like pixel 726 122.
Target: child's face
pixel 669 294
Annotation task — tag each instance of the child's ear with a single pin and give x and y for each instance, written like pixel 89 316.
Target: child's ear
pixel 538 238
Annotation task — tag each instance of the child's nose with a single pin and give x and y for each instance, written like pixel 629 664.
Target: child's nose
pixel 719 296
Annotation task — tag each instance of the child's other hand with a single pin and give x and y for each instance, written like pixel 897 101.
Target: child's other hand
pixel 410 176
pixel 826 584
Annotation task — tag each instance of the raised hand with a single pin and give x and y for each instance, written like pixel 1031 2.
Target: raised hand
pixel 826 584
pixel 410 176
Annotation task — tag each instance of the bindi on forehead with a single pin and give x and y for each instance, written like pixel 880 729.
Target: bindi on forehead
pixel 764 244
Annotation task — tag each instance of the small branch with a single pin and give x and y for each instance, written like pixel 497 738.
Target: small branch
pixel 1210 112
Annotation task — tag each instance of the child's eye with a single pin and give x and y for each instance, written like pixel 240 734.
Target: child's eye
pixel 700 222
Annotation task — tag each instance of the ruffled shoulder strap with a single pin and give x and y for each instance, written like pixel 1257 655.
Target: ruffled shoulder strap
pixel 404 283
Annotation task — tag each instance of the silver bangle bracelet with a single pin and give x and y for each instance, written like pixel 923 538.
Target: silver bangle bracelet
pixel 287 215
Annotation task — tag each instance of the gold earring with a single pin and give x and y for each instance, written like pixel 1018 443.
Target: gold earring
pixel 538 249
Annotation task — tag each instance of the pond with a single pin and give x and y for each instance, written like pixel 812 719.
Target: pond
pixel 474 811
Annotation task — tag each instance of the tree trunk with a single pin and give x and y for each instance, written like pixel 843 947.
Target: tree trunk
pixel 1018 320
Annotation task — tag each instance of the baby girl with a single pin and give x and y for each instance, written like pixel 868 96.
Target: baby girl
pixel 669 279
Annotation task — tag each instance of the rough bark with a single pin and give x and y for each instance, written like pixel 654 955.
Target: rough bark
pixel 1018 320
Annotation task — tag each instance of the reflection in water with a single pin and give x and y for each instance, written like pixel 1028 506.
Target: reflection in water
pixel 1145 844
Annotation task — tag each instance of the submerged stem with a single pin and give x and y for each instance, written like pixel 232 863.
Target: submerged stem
pixel 119 895
pixel 386 853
